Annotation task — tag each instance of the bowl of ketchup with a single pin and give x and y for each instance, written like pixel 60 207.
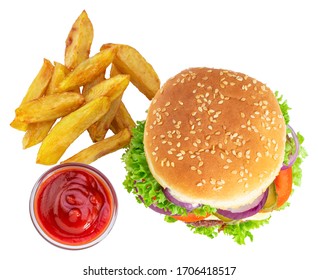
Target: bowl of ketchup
pixel 73 206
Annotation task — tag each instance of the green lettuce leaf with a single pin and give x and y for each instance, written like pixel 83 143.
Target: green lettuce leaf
pixel 210 232
pixel 240 231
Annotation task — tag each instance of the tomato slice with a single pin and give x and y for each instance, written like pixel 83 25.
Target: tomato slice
pixel 190 218
pixel 283 183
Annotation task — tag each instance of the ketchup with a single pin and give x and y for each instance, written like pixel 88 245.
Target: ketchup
pixel 74 204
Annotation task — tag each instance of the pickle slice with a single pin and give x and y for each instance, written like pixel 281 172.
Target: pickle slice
pixel 271 201
pixel 222 218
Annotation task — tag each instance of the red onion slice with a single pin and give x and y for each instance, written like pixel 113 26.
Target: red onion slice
pixel 246 211
pixel 292 158
pixel 188 206
pixel 159 210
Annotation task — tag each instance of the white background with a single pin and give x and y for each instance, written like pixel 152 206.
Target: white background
pixel 274 41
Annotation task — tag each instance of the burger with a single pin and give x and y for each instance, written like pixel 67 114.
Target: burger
pixel 216 152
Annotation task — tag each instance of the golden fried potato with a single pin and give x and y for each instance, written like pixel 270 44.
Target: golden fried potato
pixel 97 80
pixel 122 120
pixel 107 87
pixel 36 89
pixel 59 74
pixel 129 61
pixel 114 89
pixel 87 70
pixel 98 130
pixel 79 41
pixel 50 107
pixel 69 128
pixel 36 132
pixel 101 148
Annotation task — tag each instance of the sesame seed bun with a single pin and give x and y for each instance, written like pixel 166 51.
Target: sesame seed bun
pixel 215 137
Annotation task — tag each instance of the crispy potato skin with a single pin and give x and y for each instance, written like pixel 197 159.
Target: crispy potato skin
pixel 114 89
pixel 36 90
pixel 87 70
pixel 79 41
pixel 122 120
pixel 102 148
pixel 129 61
pixel 69 128
pixel 36 132
pixel 49 108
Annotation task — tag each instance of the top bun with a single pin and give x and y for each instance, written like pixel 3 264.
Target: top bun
pixel 215 137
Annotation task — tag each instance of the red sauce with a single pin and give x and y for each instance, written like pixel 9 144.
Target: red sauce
pixel 73 206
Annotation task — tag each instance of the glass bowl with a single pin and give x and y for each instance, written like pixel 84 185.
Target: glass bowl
pixel 73 206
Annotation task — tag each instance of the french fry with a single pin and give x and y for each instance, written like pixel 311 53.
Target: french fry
pixel 79 41
pixel 97 80
pixel 59 74
pixel 122 120
pixel 129 61
pixel 87 70
pixel 113 88
pixel 36 89
pixel 107 87
pixel 36 132
pixel 98 130
pixel 69 128
pixel 101 148
pixel 49 107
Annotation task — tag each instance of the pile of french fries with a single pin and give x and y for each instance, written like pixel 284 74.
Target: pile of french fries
pixel 64 100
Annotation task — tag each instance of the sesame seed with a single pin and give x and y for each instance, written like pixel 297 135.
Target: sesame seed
pixel 212 181
pixel 220 182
